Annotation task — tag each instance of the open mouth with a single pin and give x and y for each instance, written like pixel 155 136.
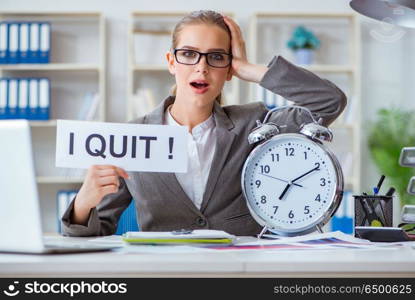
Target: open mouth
pixel 200 85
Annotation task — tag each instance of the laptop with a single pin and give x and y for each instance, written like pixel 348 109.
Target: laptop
pixel 21 224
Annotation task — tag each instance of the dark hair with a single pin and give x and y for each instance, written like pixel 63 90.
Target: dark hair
pixel 209 17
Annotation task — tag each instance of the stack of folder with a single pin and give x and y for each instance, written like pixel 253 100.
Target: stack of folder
pixel 270 99
pixel 343 219
pixel 63 199
pixel 201 237
pixel 25 98
pixel 24 42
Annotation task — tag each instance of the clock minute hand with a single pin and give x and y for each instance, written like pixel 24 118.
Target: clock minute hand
pixel 280 179
pixel 312 170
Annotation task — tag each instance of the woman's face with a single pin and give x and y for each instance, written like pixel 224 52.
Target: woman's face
pixel 200 83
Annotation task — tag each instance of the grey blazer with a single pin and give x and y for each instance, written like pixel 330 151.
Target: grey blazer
pixel 161 203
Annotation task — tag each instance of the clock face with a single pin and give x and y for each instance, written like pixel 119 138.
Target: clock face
pixel 291 184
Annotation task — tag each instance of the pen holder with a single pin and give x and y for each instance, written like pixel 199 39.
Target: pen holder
pixel 373 211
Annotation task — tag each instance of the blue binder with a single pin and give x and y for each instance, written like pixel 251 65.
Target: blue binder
pixel 44 99
pixel 17 114
pixel 61 204
pixel 4 42
pixel 45 35
pixel 23 103
pixel 3 98
pixel 14 55
pixel 34 42
pixel 63 199
pixel 24 43
pixel 13 96
pixel 33 98
pixel 343 219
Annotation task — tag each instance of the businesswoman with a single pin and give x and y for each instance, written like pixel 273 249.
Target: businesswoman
pixel 207 50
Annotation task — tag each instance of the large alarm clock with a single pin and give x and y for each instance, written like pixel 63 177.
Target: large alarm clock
pixel 292 182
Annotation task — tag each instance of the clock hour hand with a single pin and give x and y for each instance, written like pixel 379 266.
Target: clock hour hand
pixel 284 191
pixel 280 179
pixel 305 174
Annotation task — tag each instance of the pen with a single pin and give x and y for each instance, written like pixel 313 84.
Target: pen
pixel 371 216
pixel 390 192
pixel 377 188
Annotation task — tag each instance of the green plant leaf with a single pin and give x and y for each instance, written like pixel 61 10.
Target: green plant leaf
pixel 393 129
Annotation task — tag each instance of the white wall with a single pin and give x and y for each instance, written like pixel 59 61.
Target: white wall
pixel 387 66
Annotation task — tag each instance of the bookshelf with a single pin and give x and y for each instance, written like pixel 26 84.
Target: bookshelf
pixel 77 68
pixel 148 69
pixel 51 67
pixel 337 60
pixel 59 179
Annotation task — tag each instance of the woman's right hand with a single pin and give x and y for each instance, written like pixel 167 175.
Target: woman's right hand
pixel 100 181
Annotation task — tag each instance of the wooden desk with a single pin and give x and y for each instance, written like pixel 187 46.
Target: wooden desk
pixel 395 262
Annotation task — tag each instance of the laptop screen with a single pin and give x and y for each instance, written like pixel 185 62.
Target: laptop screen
pixel 19 203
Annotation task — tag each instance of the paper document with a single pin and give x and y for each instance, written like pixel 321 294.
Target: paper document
pixel 110 239
pixel 320 241
pixel 203 236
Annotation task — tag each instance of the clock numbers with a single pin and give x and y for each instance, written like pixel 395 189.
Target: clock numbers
pixel 289 151
pixel 275 209
pixel 275 157
pixel 300 172
pixel 265 169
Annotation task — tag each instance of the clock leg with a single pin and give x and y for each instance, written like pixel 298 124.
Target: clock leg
pixel 319 228
pixel 262 232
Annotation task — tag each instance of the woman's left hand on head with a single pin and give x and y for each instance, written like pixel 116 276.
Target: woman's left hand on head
pixel 241 68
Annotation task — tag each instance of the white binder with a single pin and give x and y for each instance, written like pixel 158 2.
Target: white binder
pixel 270 99
pixel 63 201
pixel 24 42
pixel 3 97
pixel 260 93
pixel 23 98
pixel 44 98
pixel 34 43
pixel 33 98
pixel 13 43
pixel 44 42
pixel 13 92
pixel 3 42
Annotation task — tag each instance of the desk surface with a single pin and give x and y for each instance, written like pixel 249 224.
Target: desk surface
pixel 388 262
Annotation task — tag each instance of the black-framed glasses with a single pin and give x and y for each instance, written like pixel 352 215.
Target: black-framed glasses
pixel 192 57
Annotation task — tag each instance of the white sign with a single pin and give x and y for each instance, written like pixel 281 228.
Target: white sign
pixel 133 147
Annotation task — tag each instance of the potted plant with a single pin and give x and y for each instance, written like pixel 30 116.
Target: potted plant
pixel 393 130
pixel 303 42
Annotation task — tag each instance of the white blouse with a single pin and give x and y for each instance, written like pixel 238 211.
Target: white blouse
pixel 201 145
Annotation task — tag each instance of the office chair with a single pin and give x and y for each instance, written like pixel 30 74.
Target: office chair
pixel 128 220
